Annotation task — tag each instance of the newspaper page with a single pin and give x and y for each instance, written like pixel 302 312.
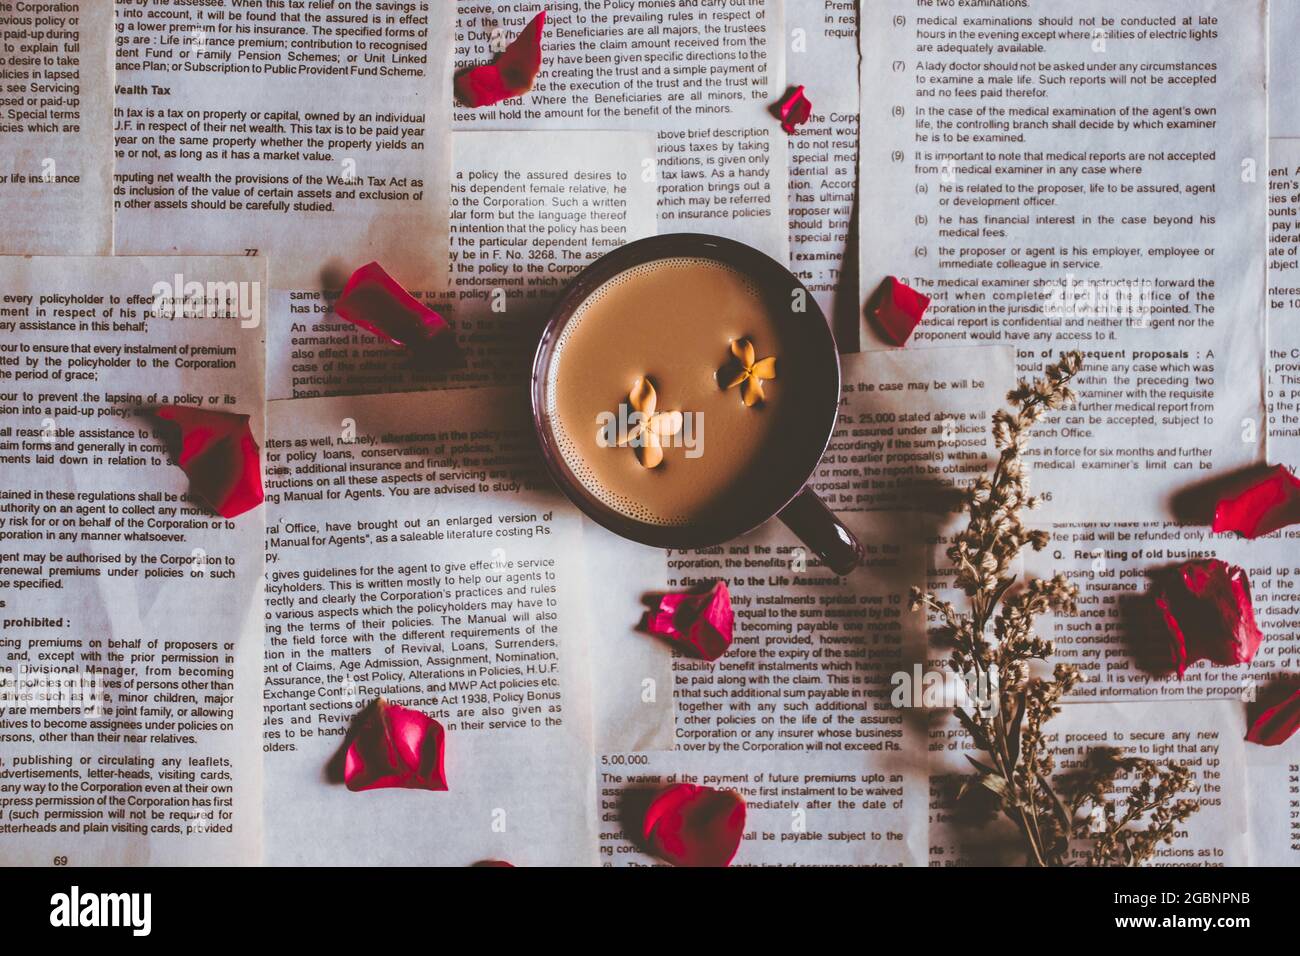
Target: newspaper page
pixel 1205 734
pixel 702 77
pixel 56 103
pixel 1119 640
pixel 797 715
pixel 131 641
pixel 528 211
pixel 1284 238
pixel 1090 178
pixel 1116 639
pixel 417 551
pixel 1200 735
pixel 823 58
pixel 914 427
pixel 759 720
pixel 632 693
pixel 1274 772
pixel 252 127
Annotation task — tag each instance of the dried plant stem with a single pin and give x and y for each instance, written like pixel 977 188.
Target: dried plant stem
pixel 993 645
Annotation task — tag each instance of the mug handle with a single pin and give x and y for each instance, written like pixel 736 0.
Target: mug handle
pixel 818 527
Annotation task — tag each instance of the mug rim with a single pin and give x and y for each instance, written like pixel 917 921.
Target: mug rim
pixel 754 264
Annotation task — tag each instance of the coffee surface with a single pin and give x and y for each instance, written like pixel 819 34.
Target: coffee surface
pixel 673 321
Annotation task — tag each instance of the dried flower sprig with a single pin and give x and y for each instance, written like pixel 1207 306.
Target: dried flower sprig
pixel 993 645
pixel 1128 830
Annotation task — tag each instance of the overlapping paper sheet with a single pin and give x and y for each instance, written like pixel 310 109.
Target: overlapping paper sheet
pixel 132 632
pixel 56 117
pixel 1095 179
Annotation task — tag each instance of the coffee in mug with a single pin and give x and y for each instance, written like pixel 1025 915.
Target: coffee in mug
pixel 684 391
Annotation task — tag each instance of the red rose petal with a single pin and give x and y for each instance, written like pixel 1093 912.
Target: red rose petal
pixel 377 302
pixel 701 621
pixel 511 75
pixel 1177 640
pixel 1271 503
pixel 395 747
pixel 220 456
pixel 796 109
pixel 1208 614
pixel 690 825
pixel 898 310
pixel 1276 725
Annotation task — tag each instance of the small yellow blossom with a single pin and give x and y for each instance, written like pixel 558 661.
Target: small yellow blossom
pixel 746 372
pixel 649 426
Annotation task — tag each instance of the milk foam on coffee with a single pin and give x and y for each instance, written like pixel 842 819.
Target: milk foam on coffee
pixel 673 320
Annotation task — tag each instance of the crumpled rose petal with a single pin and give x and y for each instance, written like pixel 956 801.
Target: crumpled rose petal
pixel 511 75
pixel 395 747
pixel 898 310
pixel 220 456
pixel 1271 503
pixel 1276 725
pixel 691 825
pixel 795 109
pixel 495 864
pixel 701 621
pixel 377 302
pixel 1208 613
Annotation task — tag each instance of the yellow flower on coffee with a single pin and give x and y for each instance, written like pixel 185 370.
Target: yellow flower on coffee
pixel 652 426
pixel 746 372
